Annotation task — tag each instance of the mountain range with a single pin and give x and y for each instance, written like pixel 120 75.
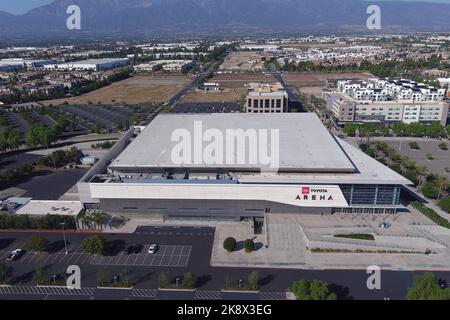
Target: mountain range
pixel 132 17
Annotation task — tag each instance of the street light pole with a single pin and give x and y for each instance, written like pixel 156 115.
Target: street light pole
pixel 178 279
pixel 64 236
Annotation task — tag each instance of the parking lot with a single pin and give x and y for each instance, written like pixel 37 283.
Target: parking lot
pixel 165 256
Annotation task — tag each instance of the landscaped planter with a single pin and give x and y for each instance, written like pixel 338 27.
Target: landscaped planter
pixel 239 291
pixel 116 288
pixel 177 289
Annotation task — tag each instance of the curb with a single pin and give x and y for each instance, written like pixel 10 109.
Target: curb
pixel 182 290
pixel 116 288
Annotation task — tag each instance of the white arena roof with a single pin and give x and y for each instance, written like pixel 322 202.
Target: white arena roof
pixel 305 145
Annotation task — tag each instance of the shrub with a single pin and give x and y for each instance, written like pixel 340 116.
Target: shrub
pixel 94 245
pixel 229 244
pixel 430 190
pixel 414 145
pixel 248 245
pixel 189 280
pixel 429 155
pixel 444 204
pixel 443 146
pixel 312 290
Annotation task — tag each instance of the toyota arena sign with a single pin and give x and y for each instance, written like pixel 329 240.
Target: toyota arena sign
pixel 321 196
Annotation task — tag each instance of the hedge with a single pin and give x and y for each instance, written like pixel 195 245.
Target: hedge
pixel 13 221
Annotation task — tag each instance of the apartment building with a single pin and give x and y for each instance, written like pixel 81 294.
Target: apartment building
pixel 346 110
pixel 265 97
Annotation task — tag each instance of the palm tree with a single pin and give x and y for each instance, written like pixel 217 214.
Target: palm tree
pixel 421 173
pixel 97 218
pixel 443 183
pixel 80 218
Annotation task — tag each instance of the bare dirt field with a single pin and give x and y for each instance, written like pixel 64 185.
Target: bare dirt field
pixel 318 79
pixel 242 60
pixel 138 89
pixel 228 81
pixel 232 88
pixel 226 95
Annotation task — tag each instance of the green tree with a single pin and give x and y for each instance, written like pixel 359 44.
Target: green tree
pixel 253 280
pixel 350 129
pixel 102 277
pixel 429 155
pixel 426 287
pixel 40 276
pixel 229 244
pixel 430 190
pixel 14 140
pixel 3 274
pixel 163 280
pixel 189 280
pixel 125 277
pixel 94 245
pixel 312 290
pixel 36 243
pixel 248 245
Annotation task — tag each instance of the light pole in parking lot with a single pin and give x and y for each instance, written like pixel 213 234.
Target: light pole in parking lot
pixel 177 279
pixel 64 236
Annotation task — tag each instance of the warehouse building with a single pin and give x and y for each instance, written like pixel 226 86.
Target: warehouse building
pixel 90 65
pixel 317 173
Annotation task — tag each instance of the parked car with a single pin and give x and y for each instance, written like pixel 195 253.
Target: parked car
pixel 152 249
pixel 14 255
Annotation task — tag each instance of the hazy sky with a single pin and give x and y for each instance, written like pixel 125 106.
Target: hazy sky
pixel 22 6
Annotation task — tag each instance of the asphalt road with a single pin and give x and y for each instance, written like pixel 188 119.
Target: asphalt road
pixel 181 249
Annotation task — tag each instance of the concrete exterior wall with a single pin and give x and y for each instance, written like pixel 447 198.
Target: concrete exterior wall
pixel 218 208
pixel 84 191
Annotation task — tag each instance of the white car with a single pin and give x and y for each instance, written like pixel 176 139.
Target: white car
pixel 152 249
pixel 14 255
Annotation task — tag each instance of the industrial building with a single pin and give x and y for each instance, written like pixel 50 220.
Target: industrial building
pixel 265 97
pixel 90 65
pixel 317 173
pixel 10 64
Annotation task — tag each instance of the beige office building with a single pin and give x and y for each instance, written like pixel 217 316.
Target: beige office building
pixel 266 98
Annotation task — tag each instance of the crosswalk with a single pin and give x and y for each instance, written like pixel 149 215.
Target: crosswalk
pixel 208 295
pixel 144 293
pixel 135 293
pixel 34 290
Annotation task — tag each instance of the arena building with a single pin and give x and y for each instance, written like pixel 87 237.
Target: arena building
pixel 317 173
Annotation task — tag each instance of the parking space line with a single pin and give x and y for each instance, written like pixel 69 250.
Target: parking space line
pixel 85 259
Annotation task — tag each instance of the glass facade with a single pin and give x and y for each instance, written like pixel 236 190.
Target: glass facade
pixel 371 195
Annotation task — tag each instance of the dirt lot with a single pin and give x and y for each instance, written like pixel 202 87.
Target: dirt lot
pixel 318 79
pixel 232 88
pixel 226 95
pixel 229 81
pixel 241 60
pixel 139 89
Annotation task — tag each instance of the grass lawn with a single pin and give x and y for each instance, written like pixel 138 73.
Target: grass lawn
pixel 359 236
